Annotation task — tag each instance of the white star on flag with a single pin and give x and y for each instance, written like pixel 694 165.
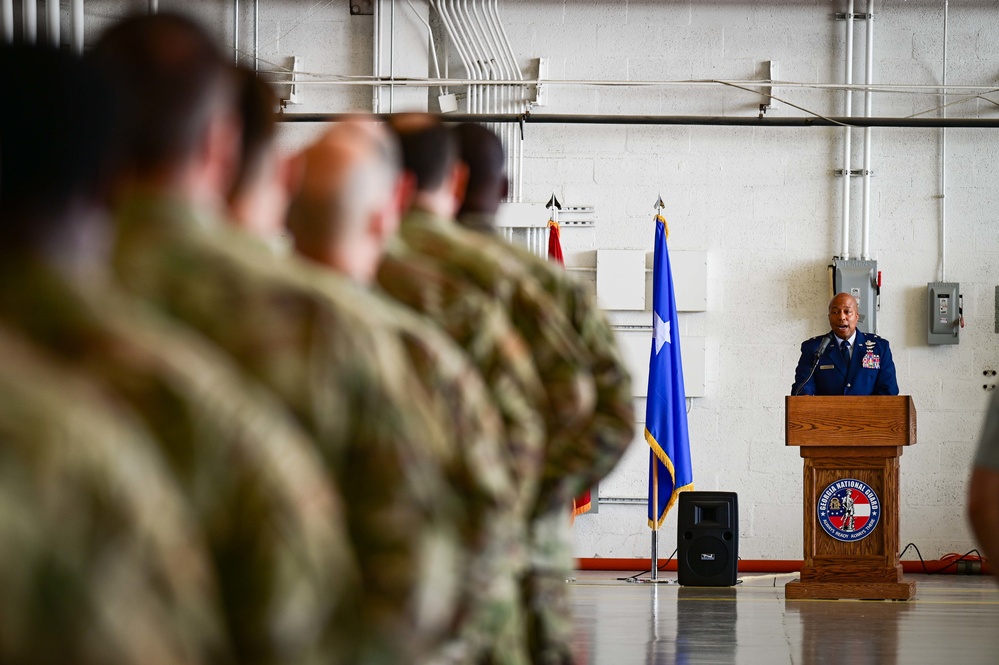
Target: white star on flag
pixel 662 334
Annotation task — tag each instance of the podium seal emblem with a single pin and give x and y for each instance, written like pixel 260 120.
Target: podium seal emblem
pixel 849 510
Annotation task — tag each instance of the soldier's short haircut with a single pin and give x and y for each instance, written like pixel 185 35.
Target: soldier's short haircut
pixel 256 109
pixel 482 151
pixel 429 149
pixel 172 80
pixel 56 127
pixel 364 163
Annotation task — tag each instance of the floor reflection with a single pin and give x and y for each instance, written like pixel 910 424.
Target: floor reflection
pixel 864 632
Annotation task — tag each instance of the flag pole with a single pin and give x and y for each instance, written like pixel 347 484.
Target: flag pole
pixel 658 206
pixel 654 559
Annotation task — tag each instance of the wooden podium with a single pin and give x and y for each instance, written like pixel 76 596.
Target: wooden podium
pixel 851 447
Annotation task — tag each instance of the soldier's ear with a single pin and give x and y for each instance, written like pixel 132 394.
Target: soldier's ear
pixel 459 183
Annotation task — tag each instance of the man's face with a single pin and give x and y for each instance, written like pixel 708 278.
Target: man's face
pixel 843 316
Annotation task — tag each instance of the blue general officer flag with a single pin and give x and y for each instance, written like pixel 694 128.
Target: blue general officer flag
pixel 666 406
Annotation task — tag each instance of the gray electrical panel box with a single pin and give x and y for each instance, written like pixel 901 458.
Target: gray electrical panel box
pixel 943 309
pixel 860 279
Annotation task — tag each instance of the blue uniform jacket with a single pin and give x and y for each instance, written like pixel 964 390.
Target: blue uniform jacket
pixel 871 370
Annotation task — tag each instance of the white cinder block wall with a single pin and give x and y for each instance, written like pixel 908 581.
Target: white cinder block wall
pixel 763 204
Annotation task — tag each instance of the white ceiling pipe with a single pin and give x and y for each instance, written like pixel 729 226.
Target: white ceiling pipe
pixel 474 72
pixel 76 26
pixel 449 24
pixel 52 21
pixel 504 93
pixel 478 55
pixel 433 48
pixel 154 6
pixel 235 32
pixel 943 157
pixel 392 57
pixel 496 69
pixel 494 6
pixel 449 28
pixel 517 96
pixel 376 92
pixel 865 252
pixel 847 136
pixel 29 20
pixel 520 105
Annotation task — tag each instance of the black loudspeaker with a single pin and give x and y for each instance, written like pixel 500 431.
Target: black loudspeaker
pixel 708 539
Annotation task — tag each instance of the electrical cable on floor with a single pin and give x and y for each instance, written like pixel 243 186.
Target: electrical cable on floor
pixel 977 558
pixel 649 571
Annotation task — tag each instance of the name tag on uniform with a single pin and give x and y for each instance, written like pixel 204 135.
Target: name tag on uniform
pixel 827 366
pixel 871 361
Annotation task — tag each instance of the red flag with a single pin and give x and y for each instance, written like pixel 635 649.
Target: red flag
pixel 581 504
pixel 555 243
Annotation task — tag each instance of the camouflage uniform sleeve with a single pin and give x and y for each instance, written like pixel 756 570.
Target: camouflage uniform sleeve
pixel 483 331
pixel 560 360
pixel 101 562
pixel 492 629
pixel 610 430
pixel 272 521
pixel 403 515
pixel 273 518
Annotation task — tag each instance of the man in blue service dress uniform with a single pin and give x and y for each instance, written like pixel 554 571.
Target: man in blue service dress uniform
pixel 845 361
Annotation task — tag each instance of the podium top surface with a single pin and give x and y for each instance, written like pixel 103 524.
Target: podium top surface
pixel 877 420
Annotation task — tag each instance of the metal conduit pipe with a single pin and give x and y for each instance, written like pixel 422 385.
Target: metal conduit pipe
pixel 76 26
pixel 474 50
pixel 52 21
pixel 505 102
pixel 518 95
pixel 485 62
pixel 690 120
pixel 844 251
pixel 235 31
pixel 256 35
pixel 488 56
pixel 943 157
pixel 865 250
pixel 430 33
pixel 464 53
pixel 392 57
pixel 29 20
pixel 376 12
pixel 154 6
pixel 449 27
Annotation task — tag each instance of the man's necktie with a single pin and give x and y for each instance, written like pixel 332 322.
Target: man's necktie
pixel 845 350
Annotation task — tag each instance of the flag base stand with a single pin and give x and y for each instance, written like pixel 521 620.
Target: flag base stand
pixel 654 568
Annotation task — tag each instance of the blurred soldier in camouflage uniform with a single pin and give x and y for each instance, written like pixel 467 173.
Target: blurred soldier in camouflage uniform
pixel 266 177
pixel 346 380
pixel 269 514
pixel 101 561
pixel 575 437
pixel 347 209
pixel 610 429
pixel 612 422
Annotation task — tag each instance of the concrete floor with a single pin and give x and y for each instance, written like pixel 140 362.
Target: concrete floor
pixel 953 620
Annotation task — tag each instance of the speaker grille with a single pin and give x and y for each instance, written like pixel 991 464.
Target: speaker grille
pixel 708 556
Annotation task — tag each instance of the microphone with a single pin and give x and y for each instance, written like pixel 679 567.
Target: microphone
pixel 823 345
